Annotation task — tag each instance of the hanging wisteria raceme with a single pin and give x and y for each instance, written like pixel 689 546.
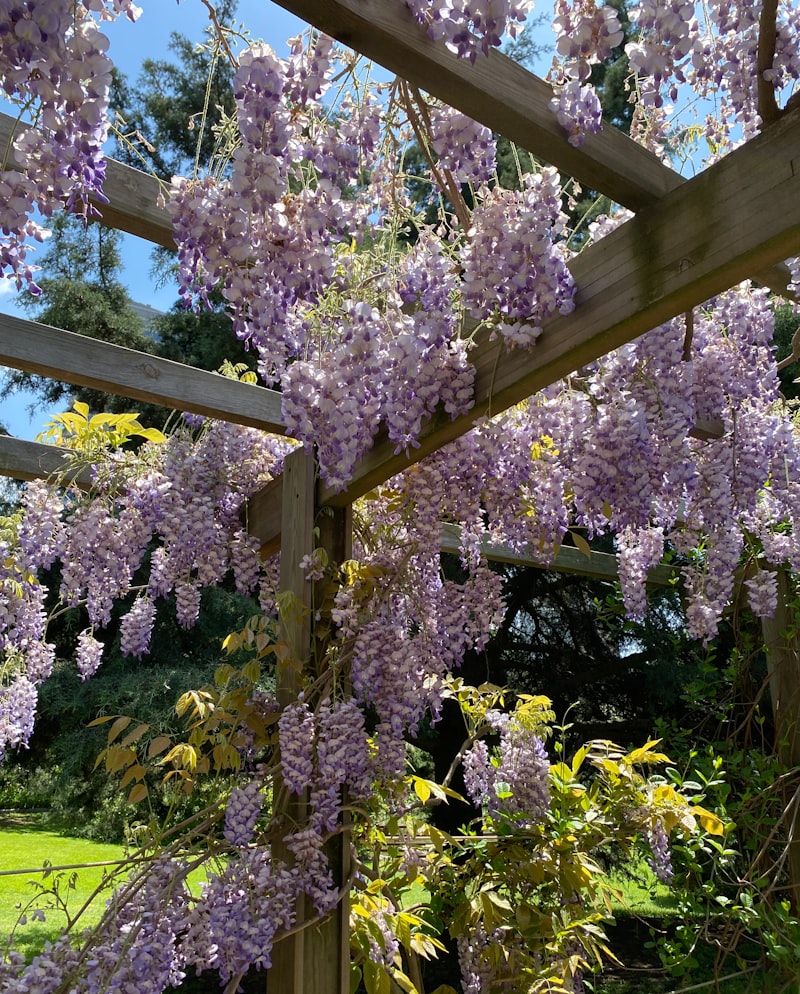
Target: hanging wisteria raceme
pixel 186 498
pixel 513 249
pixel 470 28
pixel 54 66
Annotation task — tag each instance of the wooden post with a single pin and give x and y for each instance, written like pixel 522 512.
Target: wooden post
pixel 317 958
pixel 782 644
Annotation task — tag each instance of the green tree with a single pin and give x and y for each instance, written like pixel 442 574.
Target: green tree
pixel 167 118
pixel 81 292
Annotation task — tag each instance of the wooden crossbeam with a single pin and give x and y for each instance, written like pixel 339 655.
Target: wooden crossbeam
pixel 87 362
pixel 135 197
pixel 23 460
pixel 600 565
pixel 702 238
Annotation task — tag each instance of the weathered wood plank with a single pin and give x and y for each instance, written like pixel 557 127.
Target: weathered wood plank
pixel 134 195
pixel 23 460
pixel 783 672
pixel 315 958
pixel 82 361
pixel 702 238
pixel 600 565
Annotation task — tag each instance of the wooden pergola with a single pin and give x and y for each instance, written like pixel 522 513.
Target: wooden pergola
pixel 689 240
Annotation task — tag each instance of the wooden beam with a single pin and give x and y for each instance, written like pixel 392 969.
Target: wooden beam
pixel 740 215
pixel 315 958
pixel 134 196
pixel 22 460
pixel 599 565
pixel 87 362
pixel 783 671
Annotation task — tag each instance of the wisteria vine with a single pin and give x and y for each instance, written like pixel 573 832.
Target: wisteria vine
pixel 363 308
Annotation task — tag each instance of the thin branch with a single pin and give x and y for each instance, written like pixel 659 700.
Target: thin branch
pixel 767 39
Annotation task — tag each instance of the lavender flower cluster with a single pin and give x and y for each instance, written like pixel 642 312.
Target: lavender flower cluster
pixel 186 498
pixel 271 252
pixel 241 813
pixel 463 147
pixel 470 28
pixel 53 62
pixel 586 33
pixel 517 783
pixel 384 367
pixel 512 248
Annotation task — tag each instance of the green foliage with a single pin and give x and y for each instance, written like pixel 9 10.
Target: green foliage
pixel 787 324
pixel 92 437
pixel 533 897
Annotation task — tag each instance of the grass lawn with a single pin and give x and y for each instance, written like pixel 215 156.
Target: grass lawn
pixel 28 847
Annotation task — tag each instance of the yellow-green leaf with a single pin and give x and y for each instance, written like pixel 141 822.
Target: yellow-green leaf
pixel 421 789
pixel 119 726
pixel 135 735
pixel 709 821
pixel 158 745
pixel 582 544
pixel 139 793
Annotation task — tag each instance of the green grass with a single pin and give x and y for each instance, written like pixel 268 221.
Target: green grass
pixel 641 894
pixel 28 847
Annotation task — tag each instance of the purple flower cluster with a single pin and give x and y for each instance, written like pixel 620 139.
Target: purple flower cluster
pixel 511 249
pixel 296 733
pixel 342 762
pixel 18 701
pixel 517 784
pixel 661 863
pixel 387 368
pixel 241 814
pixel 272 252
pixel 476 971
pixel 578 111
pixel 762 593
pixel 470 28
pixel 231 928
pixel 89 654
pixel 464 147
pixel 586 33
pixel 53 62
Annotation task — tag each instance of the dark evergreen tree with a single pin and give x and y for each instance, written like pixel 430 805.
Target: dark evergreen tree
pixel 81 292
pixel 169 116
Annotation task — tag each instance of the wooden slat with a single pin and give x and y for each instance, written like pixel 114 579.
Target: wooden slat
pixel 63 355
pixel 133 195
pixel 600 565
pixel 23 460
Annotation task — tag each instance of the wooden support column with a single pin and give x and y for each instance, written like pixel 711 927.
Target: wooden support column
pixel 316 958
pixel 782 643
